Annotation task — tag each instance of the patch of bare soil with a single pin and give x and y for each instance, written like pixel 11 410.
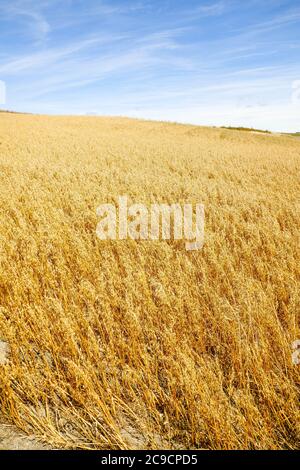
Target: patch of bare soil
pixel 13 439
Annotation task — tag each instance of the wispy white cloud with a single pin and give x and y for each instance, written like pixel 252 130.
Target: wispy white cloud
pixel 213 9
pixel 73 66
pixel 36 22
pixel 278 21
pixel 52 56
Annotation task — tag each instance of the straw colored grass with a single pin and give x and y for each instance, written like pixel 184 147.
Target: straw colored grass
pixel 138 344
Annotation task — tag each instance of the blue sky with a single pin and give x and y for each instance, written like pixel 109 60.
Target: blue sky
pixel 211 62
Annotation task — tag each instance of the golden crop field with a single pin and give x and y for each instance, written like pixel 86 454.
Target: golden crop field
pixel 138 344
